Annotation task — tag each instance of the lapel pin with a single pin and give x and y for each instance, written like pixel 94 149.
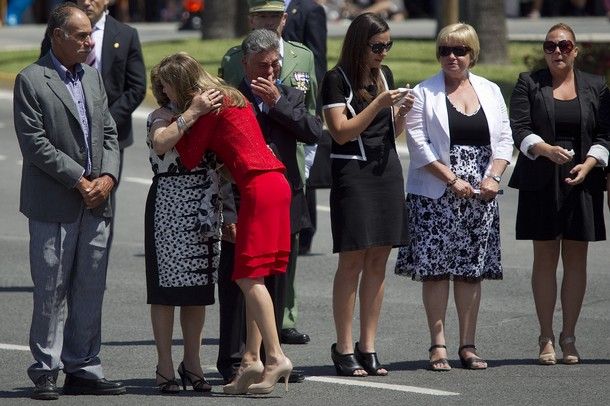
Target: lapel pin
pixel 116 45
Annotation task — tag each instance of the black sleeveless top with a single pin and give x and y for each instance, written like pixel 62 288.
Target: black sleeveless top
pixel 467 130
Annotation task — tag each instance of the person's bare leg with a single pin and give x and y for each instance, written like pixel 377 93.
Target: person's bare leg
pixel 345 286
pixel 573 287
pixel 467 298
pixel 162 319
pixel 260 308
pixel 192 319
pixel 435 295
pixel 544 286
pixel 371 296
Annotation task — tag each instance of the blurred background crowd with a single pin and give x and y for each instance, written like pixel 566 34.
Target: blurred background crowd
pixel 13 12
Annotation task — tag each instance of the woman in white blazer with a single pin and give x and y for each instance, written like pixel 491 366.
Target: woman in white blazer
pixel 460 143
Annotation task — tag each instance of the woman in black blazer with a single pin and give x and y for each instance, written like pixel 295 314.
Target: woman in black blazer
pixel 560 125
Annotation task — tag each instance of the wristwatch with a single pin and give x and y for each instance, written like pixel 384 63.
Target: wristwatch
pixel 497 178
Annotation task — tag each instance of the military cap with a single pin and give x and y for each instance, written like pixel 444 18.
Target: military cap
pixel 257 6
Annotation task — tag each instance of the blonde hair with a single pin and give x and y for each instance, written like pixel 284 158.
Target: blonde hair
pixel 462 33
pixel 186 77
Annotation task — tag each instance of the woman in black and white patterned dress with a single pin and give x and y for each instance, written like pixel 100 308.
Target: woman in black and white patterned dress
pixel 460 144
pixel 182 235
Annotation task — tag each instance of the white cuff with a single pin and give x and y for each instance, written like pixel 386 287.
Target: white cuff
pixel 527 143
pixel 600 153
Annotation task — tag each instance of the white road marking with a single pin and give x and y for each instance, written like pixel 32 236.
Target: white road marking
pixel 141 181
pixel 387 386
pixel 14 347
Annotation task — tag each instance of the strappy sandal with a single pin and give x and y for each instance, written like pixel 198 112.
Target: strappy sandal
pixel 547 357
pixel 369 361
pixel 441 364
pixel 470 362
pixel 345 364
pixel 198 383
pixel 568 358
pixel 169 385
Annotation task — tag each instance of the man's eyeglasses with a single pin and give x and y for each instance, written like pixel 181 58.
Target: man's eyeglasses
pixel 565 46
pixel 379 47
pixel 459 50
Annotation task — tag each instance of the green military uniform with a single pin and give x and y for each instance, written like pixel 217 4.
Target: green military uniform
pixel 298 71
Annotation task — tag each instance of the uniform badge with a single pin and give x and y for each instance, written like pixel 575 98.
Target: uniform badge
pixel 302 80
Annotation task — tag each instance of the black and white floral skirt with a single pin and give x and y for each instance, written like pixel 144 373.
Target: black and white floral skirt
pixel 451 237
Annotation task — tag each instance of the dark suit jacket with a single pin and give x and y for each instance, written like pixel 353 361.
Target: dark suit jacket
pixel 306 23
pixel 285 124
pixel 532 112
pixel 52 144
pixel 123 72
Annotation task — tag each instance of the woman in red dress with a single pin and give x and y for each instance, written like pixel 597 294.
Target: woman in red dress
pixel 263 238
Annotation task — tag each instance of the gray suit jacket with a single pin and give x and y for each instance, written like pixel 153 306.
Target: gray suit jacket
pixel 52 145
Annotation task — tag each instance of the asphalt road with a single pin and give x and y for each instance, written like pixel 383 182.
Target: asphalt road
pixel 507 330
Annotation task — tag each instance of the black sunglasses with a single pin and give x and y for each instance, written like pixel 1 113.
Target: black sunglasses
pixel 565 46
pixel 459 50
pixel 379 47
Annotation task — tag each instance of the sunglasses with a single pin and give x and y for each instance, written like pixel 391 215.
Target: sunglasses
pixel 459 50
pixel 379 47
pixel 565 46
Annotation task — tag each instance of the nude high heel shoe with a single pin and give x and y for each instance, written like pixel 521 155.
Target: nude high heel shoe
pixel 244 378
pixel 268 383
pixel 547 357
pixel 568 358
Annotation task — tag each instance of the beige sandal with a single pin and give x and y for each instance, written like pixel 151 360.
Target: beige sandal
pixel 547 357
pixel 568 358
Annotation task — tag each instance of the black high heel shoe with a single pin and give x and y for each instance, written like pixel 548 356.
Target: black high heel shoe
pixel 345 364
pixel 199 384
pixel 369 361
pixel 169 385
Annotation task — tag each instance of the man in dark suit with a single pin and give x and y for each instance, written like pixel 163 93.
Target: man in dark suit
pixel 71 157
pixel 117 55
pixel 306 23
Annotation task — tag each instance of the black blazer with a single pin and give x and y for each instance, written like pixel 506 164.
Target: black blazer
pixel 306 23
pixel 532 112
pixel 286 123
pixel 123 73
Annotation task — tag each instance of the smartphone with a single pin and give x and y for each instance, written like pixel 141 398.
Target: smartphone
pixel 405 91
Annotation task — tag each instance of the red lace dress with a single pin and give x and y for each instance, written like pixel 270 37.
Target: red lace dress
pixel 262 245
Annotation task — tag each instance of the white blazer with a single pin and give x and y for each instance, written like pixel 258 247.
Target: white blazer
pixel 427 127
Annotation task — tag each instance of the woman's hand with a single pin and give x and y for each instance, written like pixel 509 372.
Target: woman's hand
pixel 463 189
pixel 204 102
pixel 389 98
pixel 555 153
pixel 489 189
pixel 581 171
pixel 407 103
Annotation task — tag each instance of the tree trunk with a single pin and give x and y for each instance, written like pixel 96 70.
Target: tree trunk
pixel 447 12
pixel 489 20
pixel 218 19
pixel 242 26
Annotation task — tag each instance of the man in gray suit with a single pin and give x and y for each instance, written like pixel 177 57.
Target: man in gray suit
pixel 70 165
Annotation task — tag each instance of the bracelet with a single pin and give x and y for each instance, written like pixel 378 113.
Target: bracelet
pixel 452 181
pixel 181 123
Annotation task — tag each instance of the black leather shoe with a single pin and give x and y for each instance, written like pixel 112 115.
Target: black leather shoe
pixel 81 386
pixel 45 389
pixel 292 336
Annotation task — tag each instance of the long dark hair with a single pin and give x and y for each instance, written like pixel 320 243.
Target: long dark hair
pixel 355 50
